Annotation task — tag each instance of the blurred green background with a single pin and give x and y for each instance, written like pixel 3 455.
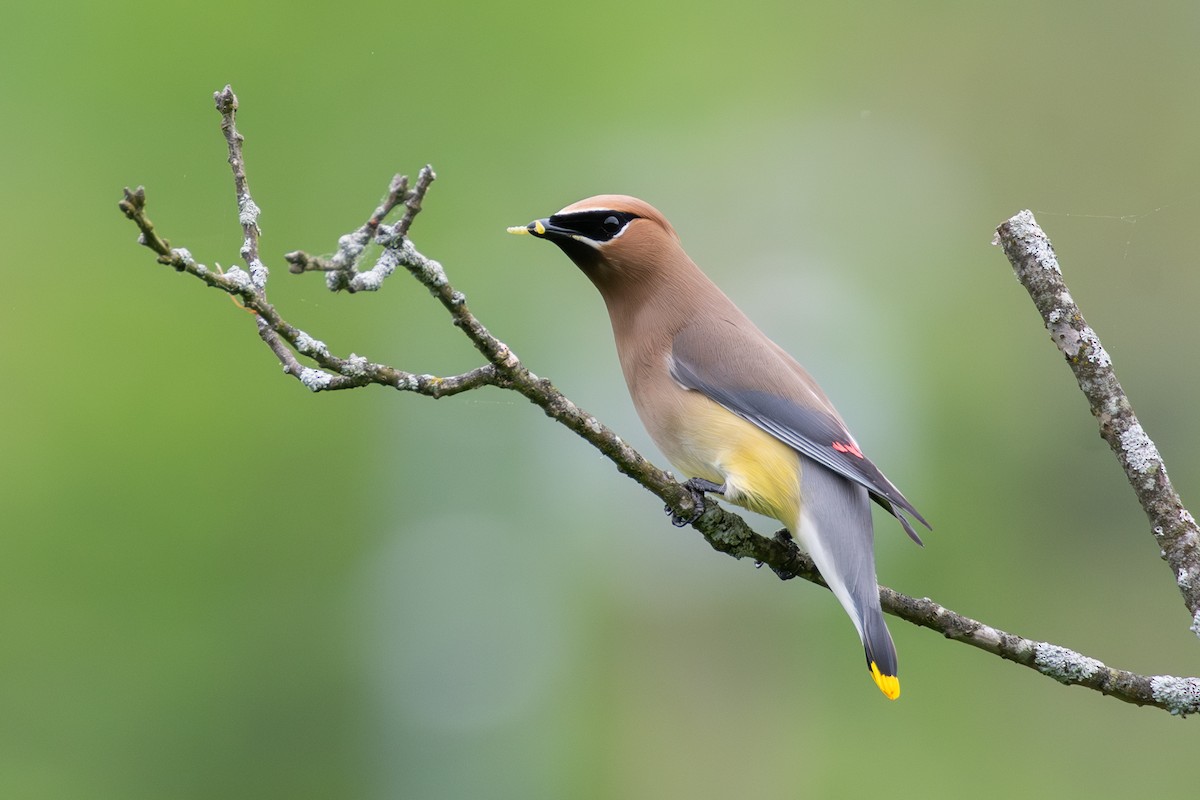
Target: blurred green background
pixel 215 584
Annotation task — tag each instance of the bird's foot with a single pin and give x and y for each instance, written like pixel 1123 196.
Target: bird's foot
pixel 785 538
pixel 697 487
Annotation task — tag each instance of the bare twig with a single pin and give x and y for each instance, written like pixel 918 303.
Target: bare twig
pixel 342 266
pixel 352 245
pixel 336 373
pixel 412 201
pixel 248 211
pixel 1174 528
pixel 725 531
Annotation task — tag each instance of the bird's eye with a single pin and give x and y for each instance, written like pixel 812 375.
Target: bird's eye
pixel 597 226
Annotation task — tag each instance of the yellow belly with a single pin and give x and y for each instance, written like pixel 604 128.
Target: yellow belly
pixel 760 472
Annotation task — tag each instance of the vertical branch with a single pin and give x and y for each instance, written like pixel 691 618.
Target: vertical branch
pixel 1033 259
pixel 248 211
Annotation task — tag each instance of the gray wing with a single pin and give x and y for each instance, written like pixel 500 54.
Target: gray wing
pixel 779 407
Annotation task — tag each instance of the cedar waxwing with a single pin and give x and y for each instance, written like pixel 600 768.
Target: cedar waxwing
pixel 731 409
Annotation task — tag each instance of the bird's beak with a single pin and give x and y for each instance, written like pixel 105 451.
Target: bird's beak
pixel 535 228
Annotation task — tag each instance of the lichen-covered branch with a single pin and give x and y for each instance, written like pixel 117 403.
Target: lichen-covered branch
pixel 1178 695
pixel 725 531
pixel 1036 266
pixel 248 212
pixel 287 341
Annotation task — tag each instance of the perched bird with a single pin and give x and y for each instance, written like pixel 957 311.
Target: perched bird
pixel 729 407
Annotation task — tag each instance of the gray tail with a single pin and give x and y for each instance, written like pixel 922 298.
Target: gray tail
pixel 877 642
pixel 835 527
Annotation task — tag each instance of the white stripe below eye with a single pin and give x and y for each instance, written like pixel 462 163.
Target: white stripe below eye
pixel 621 232
pixel 589 242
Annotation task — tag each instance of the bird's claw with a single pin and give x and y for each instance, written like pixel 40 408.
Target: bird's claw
pixel 696 488
pixel 785 538
pixel 679 520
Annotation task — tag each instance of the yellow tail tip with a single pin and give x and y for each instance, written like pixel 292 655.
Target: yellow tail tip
pixel 888 684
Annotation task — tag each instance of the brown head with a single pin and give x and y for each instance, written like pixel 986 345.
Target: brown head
pixel 617 241
pixel 634 257
pixel 651 288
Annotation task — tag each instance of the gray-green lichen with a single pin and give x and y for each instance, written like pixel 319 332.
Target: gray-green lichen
pixel 350 248
pixel 1033 241
pixel 1183 579
pixel 1140 452
pixel 1180 696
pixel 258 273
pixel 373 278
pixel 247 211
pixel 1064 665
pixel 428 271
pixel 1063 333
pixel 309 346
pixel 238 277
pixel 315 379
pixel 355 366
pixel 1096 352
